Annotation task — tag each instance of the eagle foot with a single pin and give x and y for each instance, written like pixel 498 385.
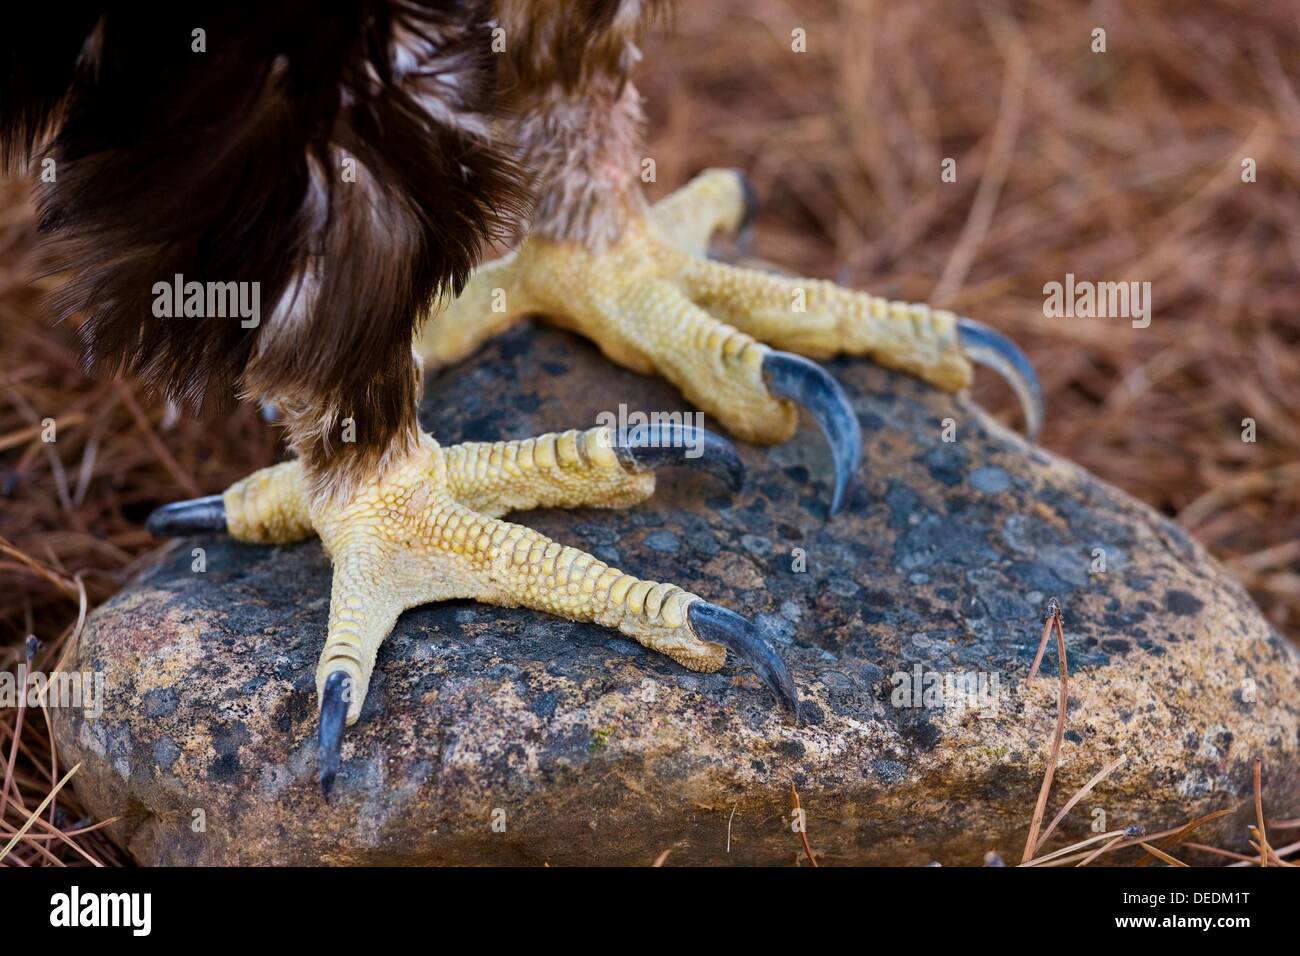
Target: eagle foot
pixel 735 341
pixel 429 530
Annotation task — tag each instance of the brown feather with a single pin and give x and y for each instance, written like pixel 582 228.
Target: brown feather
pixel 227 166
pixel 576 116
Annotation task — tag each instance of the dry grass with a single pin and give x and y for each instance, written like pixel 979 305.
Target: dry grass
pixel 1115 166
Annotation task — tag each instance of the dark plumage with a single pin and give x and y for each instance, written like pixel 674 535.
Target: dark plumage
pixel 228 166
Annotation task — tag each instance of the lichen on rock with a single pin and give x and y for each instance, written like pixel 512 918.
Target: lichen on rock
pixel 501 736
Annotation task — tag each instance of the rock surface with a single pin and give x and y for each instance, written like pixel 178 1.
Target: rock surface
pixel 500 736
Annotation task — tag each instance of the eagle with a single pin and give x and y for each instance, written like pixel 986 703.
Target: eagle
pixel 290 203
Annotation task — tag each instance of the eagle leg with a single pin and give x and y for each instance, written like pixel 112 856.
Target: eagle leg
pixel 430 530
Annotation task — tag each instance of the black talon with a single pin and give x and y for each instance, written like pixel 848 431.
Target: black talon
pixel 333 717
pixel 188 517
pixel 721 626
pixel 805 382
pixel 745 231
pixel 647 447
pixel 993 349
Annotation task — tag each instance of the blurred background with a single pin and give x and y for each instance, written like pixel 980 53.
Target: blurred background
pixel 1117 166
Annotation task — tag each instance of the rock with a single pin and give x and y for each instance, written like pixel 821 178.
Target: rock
pixel 583 747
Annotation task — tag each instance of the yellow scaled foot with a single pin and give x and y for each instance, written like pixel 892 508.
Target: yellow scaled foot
pixel 652 303
pixel 430 530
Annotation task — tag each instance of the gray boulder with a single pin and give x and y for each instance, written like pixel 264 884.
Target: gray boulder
pixel 502 736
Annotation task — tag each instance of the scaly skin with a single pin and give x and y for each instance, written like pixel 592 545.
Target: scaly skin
pixel 653 304
pixel 430 531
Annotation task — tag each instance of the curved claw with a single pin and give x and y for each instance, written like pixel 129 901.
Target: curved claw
pixel 721 626
pixel 805 382
pixel 989 347
pixel 647 447
pixel 745 231
pixel 333 717
pixel 188 517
